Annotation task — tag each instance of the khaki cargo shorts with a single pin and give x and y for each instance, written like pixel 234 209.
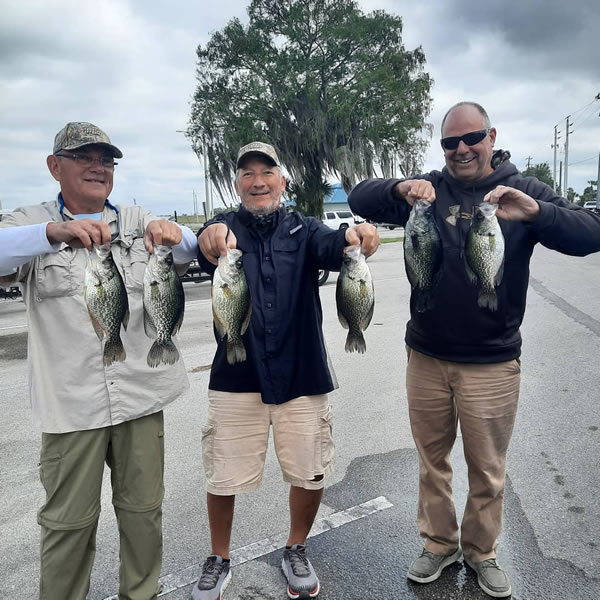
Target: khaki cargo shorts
pixel 236 436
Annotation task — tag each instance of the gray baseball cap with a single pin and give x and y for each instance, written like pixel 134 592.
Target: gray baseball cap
pixel 258 148
pixel 77 134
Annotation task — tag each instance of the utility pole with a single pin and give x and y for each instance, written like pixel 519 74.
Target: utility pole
pixel 564 195
pixel 567 160
pixel 528 162
pixel 555 146
pixel 598 183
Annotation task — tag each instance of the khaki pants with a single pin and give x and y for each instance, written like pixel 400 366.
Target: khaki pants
pixel 483 398
pixel 71 469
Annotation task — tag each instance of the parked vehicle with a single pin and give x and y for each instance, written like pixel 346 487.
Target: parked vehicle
pixel 590 204
pixel 194 273
pixel 339 219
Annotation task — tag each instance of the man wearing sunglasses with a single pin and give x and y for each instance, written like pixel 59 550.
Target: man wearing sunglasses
pixel 463 360
pixel 89 412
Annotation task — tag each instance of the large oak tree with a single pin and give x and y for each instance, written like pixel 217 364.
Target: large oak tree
pixel 332 88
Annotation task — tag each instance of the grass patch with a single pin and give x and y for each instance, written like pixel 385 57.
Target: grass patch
pixel 391 240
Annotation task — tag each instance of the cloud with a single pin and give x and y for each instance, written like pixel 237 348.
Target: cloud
pixel 129 66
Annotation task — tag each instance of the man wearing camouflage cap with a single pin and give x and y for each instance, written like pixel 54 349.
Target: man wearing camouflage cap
pixel 89 412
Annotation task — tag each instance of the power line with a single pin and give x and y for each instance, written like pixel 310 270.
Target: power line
pixel 582 161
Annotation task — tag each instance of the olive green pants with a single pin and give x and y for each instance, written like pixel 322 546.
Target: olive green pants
pixel 71 470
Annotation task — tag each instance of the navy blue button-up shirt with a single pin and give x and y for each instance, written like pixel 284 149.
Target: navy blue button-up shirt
pixel 286 355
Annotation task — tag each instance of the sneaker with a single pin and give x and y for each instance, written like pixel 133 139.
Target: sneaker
pixel 429 566
pixel 491 578
pixel 302 579
pixel 214 579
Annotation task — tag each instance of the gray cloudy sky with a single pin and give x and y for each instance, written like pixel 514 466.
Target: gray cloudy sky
pixel 129 67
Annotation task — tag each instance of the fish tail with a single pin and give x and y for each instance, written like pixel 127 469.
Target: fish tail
pixel 162 352
pixel 236 352
pixel 488 299
pixel 113 351
pixel 355 342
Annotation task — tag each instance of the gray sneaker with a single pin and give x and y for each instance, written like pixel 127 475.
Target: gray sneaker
pixel 491 578
pixel 301 577
pixel 429 566
pixel 214 579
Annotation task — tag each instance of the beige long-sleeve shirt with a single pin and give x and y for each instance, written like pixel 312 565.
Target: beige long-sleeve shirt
pixel 70 387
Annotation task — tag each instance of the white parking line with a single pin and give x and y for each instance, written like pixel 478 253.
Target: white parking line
pixel 14 327
pixel 189 575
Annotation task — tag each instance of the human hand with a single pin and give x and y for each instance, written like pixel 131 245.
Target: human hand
pixel 364 235
pixel 412 189
pixel 161 233
pixel 214 241
pixel 513 204
pixel 79 233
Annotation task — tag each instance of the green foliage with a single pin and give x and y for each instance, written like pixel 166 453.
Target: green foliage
pixel 571 195
pixel 589 193
pixel 332 88
pixel 542 172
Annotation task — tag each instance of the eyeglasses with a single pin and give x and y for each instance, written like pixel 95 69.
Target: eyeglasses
pixel 470 139
pixel 86 160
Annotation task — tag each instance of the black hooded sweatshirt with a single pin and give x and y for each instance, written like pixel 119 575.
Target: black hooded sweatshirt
pixel 456 328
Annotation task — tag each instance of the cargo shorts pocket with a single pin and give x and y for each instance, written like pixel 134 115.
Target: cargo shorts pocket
pixel 327 445
pixel 208 437
pixel 48 467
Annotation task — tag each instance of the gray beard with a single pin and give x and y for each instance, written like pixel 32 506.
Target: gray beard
pixel 263 211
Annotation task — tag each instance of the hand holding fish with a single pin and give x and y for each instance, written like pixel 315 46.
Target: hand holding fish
pixel 411 189
pixel 161 233
pixel 513 204
pixel 78 233
pixel 364 235
pixel 215 240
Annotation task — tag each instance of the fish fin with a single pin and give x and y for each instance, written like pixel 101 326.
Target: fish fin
pixel 236 351
pixel 367 319
pixel 499 274
pixel 410 273
pixel 220 327
pixel 414 238
pixel 113 351
pixel 125 319
pixel 180 300
pixel 246 320
pixel 355 342
pixel 149 326
pixel 97 327
pixel 162 352
pixel 343 320
pixel 471 274
pixel 423 300
pixel 488 299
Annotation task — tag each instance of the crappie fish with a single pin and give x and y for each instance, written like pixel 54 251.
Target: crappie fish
pixel 355 298
pixel 422 253
pixel 484 256
pixel 231 304
pixel 106 299
pixel 164 305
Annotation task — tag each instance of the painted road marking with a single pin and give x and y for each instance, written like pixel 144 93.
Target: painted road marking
pixel 189 575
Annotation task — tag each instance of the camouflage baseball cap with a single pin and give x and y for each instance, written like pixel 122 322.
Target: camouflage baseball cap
pixel 78 134
pixel 258 148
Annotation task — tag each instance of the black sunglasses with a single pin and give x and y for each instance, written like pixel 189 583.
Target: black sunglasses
pixel 470 139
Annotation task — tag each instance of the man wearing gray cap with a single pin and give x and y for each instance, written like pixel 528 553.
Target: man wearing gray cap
pixel 284 381
pixel 91 412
